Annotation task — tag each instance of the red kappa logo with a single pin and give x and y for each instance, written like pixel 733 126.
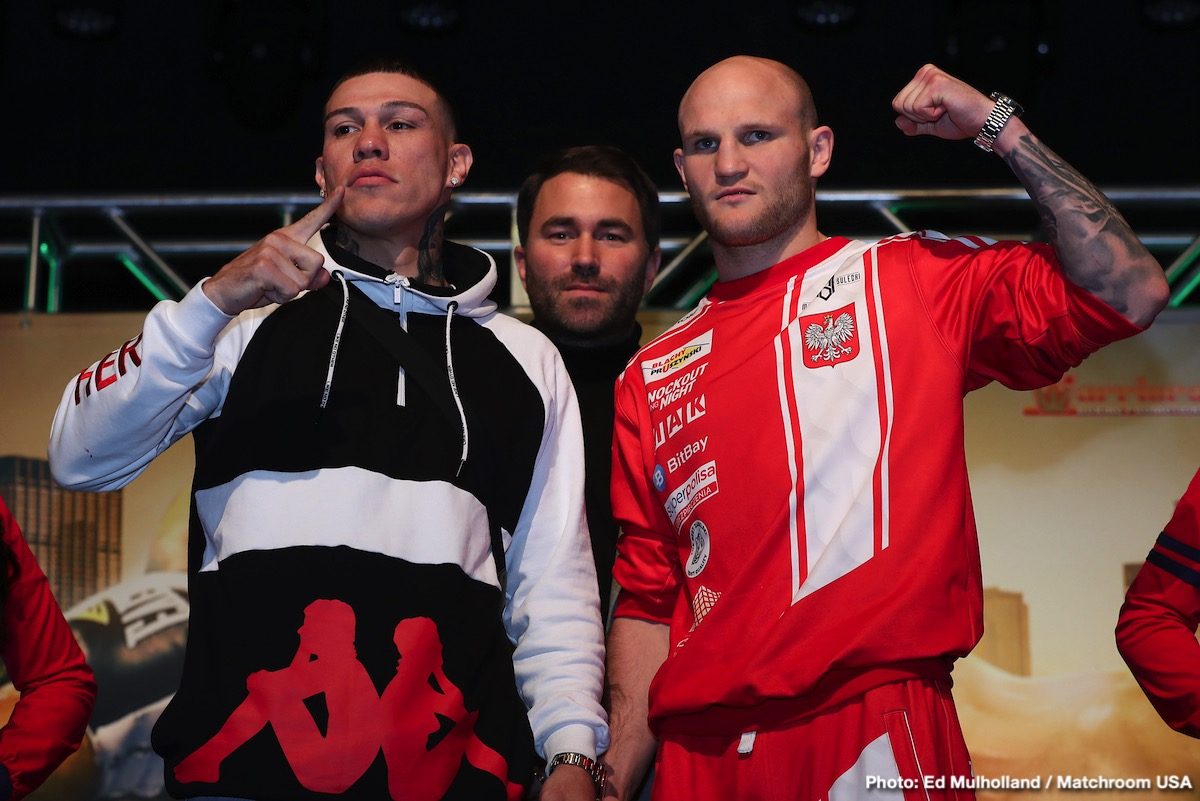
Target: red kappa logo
pixel 406 721
pixel 830 337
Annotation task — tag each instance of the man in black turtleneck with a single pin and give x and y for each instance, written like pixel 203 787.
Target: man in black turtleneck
pixel 588 224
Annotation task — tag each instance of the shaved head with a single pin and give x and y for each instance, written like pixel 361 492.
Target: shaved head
pixel 728 74
pixel 750 155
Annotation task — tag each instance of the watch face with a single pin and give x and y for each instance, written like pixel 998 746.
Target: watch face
pixel 1005 100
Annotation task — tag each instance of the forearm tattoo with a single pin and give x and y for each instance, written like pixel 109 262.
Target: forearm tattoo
pixel 429 251
pixel 1098 250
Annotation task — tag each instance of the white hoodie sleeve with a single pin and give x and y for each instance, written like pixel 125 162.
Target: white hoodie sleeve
pixel 131 405
pixel 552 611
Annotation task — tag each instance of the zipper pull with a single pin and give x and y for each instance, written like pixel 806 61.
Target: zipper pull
pixel 399 283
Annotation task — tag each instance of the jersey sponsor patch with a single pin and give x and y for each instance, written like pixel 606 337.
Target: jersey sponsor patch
pixel 677 420
pixel 664 396
pixel 699 487
pixel 702 603
pixel 700 548
pixel 657 369
pixel 659 478
pixel 686 452
pixel 831 286
pixel 830 337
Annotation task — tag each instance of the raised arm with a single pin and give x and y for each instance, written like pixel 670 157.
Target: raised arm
pixel 636 650
pixel 278 267
pixel 1095 245
pixel 117 415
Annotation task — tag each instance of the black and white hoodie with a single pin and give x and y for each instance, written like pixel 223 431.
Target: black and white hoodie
pixel 412 462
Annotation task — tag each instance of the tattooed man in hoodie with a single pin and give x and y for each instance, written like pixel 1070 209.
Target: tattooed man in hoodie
pixel 389 482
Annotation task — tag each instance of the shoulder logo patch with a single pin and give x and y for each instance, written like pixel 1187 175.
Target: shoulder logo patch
pixel 830 337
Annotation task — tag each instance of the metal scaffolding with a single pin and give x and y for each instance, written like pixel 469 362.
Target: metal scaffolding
pixel 168 242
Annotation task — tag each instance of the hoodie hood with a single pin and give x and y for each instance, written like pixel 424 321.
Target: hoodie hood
pixel 471 273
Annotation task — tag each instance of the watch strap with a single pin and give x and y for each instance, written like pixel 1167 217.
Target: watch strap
pixel 1005 109
pixel 593 767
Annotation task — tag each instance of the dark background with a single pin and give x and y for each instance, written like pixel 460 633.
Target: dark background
pixel 227 95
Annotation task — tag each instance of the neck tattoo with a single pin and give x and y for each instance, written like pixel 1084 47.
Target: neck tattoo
pixel 429 251
pixel 343 239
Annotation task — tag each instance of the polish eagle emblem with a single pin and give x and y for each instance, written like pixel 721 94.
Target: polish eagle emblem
pixel 827 342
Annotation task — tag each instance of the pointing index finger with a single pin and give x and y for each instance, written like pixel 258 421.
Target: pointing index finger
pixel 303 229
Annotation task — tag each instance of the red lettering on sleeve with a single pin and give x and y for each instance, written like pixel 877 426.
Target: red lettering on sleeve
pixel 82 381
pixel 103 380
pixel 130 349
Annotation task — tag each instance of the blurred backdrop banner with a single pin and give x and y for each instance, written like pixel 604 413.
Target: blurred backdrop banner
pixel 1071 485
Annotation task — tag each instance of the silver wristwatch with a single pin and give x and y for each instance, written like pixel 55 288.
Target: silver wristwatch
pixel 592 766
pixel 1005 109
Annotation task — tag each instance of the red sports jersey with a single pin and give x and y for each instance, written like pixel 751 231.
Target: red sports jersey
pixel 46 666
pixel 789 470
pixel 1156 632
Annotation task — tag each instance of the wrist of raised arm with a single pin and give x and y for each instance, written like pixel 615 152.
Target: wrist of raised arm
pixel 211 288
pixel 196 319
pixel 1010 137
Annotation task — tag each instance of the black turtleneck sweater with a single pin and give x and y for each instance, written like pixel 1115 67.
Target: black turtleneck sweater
pixel 594 370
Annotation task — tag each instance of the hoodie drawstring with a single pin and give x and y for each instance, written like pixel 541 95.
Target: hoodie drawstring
pixel 454 387
pixel 337 341
pixel 337 338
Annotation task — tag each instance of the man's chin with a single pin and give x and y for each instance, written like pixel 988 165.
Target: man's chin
pixel 738 228
pixel 580 317
pixel 377 216
pixel 737 236
pixel 585 312
pixel 732 229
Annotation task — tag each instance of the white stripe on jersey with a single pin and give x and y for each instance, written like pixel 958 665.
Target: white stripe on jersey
pixel 877 760
pixel 839 416
pixel 789 416
pixel 885 362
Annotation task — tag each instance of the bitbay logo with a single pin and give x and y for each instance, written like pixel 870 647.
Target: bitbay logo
pixel 687 452
pixel 658 369
pixel 700 548
pixel 659 478
pixel 830 337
